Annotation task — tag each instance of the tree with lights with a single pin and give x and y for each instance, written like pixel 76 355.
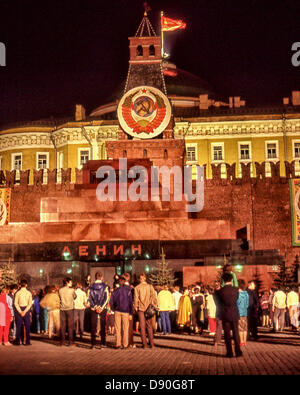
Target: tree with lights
pixel 163 274
pixel 287 276
pixel 7 275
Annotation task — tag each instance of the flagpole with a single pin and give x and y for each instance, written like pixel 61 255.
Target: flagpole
pixel 162 35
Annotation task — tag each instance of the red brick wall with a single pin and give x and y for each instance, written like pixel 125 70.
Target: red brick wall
pixel 262 204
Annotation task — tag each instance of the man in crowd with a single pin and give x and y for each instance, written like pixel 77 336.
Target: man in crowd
pixel 79 307
pixel 292 305
pixel 227 298
pixel 252 310
pixel 121 303
pixel 67 295
pixel 98 299
pixel 165 305
pixel 23 303
pixel 144 295
pixel 278 307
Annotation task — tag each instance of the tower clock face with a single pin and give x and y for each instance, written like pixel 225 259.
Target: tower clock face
pixel 144 112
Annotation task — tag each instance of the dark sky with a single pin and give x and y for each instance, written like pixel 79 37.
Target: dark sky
pixel 60 53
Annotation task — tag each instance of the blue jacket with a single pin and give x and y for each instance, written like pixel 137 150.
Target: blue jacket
pixel 36 305
pixel 243 303
pixel 98 295
pixel 121 299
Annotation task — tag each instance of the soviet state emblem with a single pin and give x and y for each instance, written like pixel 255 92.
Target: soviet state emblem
pixel 144 112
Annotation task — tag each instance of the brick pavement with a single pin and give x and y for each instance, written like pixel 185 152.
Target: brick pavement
pixel 272 354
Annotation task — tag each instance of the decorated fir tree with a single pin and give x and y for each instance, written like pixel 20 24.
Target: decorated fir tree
pixel 162 274
pixel 287 276
pixel 7 274
pixel 257 277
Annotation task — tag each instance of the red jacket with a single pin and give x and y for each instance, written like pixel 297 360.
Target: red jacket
pixel 7 309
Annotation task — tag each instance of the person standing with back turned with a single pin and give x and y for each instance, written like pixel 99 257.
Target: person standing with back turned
pixel 227 297
pixel 144 295
pixel 23 303
pixel 67 295
pixel 98 300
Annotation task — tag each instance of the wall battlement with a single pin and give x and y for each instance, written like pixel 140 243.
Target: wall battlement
pixel 61 179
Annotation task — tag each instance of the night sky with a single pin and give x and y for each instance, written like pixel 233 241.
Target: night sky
pixel 60 53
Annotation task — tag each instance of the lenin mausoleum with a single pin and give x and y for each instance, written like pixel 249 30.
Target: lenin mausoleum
pixel 52 224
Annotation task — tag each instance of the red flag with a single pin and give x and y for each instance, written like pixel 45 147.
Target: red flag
pixel 168 25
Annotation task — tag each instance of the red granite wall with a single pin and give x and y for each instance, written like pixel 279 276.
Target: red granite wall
pixel 261 203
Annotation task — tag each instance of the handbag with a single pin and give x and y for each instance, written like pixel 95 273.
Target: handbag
pixel 150 311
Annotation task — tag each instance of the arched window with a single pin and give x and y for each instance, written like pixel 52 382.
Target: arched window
pixel 145 153
pixel 124 154
pixel 139 51
pixel 151 50
pixel 165 154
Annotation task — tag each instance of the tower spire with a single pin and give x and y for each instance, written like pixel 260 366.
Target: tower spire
pixel 145 29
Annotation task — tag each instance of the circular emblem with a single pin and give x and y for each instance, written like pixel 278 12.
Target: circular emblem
pixel 3 213
pixel 144 112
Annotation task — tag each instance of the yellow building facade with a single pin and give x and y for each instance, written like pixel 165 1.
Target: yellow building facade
pixel 209 140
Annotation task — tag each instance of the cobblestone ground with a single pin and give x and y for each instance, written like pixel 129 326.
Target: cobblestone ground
pixel 272 354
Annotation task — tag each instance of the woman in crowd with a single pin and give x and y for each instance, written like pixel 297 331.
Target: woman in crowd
pixel 264 305
pixel 198 303
pixel 5 318
pixel 211 310
pixel 184 310
pixel 51 303
pixel 243 304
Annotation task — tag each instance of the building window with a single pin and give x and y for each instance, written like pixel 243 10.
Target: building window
pixel 296 150
pixel 217 152
pixel 268 171
pixel 244 151
pixel 296 156
pixel 16 161
pixel 272 151
pixel 42 162
pixel 191 153
pixel 245 156
pixel 60 165
pixel 297 168
pixel 16 164
pixel 84 156
pixel 139 51
pixel 151 50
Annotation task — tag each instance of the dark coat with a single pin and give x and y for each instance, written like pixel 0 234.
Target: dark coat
pixel 253 303
pixel 227 300
pixel 99 295
pixel 121 299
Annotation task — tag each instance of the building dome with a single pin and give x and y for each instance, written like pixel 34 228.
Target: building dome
pixel 182 83
pixel 183 90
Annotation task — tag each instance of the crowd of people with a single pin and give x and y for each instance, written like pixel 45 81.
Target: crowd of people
pixel 230 307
